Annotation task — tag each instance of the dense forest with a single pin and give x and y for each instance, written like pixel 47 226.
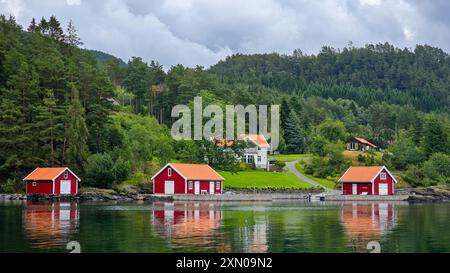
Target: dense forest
pixel 109 121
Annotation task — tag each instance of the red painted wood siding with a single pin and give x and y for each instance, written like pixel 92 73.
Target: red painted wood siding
pixel 360 188
pixel 42 187
pixel 204 185
pixel 163 176
pixel 73 183
pixel 388 180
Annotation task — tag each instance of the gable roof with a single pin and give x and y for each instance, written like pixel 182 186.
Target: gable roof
pixel 363 174
pixel 362 140
pixel 193 171
pixel 258 139
pixel 48 173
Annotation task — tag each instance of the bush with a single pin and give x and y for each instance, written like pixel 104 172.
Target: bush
pixel 279 163
pixel 122 169
pixel 10 186
pixel 99 171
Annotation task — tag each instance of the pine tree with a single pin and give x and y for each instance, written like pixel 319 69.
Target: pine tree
pixel 49 124
pixel 33 26
pixel 71 37
pixel 43 26
pixel 55 30
pixel 76 132
pixel 434 136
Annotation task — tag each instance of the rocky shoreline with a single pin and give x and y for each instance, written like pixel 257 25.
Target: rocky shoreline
pixel 431 194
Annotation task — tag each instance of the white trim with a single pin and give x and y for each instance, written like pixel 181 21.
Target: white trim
pixel 66 168
pixel 169 172
pixel 384 168
pixel 53 181
pixel 165 166
pixel 185 185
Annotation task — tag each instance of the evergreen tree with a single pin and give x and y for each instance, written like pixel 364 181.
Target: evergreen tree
pixel 76 132
pixel 434 136
pixel 55 30
pixel 71 36
pixel 33 26
pixel 43 26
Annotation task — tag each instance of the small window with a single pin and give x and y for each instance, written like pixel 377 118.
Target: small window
pixel 169 172
pixel 217 185
pixel 34 184
pixel 259 158
pixel 66 174
pixel 383 176
pixel 190 184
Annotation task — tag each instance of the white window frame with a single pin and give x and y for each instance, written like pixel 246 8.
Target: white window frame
pixel 383 176
pixel 169 172
pixel 34 183
pixel 190 184
pixel 217 185
pixel 259 158
pixel 66 174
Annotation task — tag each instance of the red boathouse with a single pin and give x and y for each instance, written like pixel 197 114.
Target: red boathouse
pixel 52 181
pixel 373 180
pixel 179 178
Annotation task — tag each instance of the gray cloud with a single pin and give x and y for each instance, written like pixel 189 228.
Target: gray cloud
pixel 202 32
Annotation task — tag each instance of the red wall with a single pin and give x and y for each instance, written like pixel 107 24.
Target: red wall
pixel 361 187
pixel 42 187
pixel 159 180
pixel 73 189
pixel 204 185
pixel 388 180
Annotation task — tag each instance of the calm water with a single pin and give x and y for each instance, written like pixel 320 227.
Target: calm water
pixel 224 227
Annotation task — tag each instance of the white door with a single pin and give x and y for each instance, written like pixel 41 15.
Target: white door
pixel 65 187
pixel 354 189
pixel 169 187
pixel 211 187
pixel 383 189
pixel 197 187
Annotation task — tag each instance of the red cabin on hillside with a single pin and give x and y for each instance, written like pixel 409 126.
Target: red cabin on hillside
pixel 374 180
pixel 52 181
pixel 179 178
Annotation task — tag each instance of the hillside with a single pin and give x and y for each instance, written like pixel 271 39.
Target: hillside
pixel 105 57
pixel 381 72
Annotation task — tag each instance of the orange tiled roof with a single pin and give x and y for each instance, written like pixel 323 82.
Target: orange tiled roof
pixel 362 140
pixel 360 174
pixel 260 140
pixel 197 171
pixel 45 173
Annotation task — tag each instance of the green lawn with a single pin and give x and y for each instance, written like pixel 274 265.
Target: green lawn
pixel 322 181
pixel 288 157
pixel 260 179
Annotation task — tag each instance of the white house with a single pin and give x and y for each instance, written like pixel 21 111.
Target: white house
pixel 256 152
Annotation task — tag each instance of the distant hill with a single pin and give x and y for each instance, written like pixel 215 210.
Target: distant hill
pixel 381 72
pixel 104 57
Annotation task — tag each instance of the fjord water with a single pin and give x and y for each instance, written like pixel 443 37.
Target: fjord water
pixel 224 227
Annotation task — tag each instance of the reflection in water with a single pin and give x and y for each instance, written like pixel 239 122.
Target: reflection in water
pixel 201 225
pixel 187 223
pixel 50 224
pixel 363 221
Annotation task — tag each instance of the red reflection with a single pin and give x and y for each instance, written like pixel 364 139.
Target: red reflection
pixel 187 223
pixel 49 224
pixel 367 221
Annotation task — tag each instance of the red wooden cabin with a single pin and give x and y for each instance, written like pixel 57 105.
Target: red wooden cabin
pixel 373 180
pixel 179 178
pixel 59 180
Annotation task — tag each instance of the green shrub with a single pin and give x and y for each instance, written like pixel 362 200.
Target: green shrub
pixel 279 163
pixel 99 171
pixel 10 186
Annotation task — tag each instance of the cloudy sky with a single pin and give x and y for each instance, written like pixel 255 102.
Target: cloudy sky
pixel 202 32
